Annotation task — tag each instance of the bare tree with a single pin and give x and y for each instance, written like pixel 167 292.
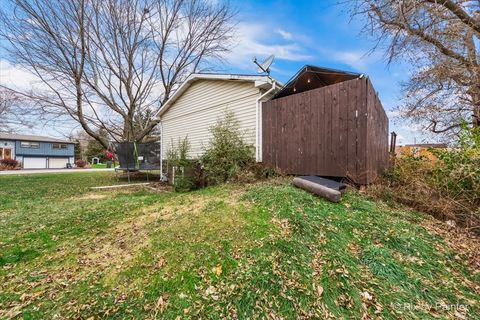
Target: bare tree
pixel 439 38
pixel 48 38
pixel 13 112
pixel 107 63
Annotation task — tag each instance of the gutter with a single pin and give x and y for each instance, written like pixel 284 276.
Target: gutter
pixel 258 125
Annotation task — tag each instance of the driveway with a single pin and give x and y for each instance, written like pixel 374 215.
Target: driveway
pixel 35 171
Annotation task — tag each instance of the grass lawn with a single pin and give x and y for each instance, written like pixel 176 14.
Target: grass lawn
pixel 99 166
pixel 266 250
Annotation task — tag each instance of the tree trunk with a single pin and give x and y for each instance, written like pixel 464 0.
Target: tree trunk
pixel 128 134
pixel 476 116
pixel 476 107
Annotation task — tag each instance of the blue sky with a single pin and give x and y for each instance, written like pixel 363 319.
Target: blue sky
pixel 298 32
pixel 317 33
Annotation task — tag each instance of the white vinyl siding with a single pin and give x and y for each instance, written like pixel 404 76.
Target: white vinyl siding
pixel 205 101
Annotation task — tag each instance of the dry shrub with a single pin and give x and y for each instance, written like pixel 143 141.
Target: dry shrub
pixel 253 172
pixel 448 188
pixel 9 164
pixel 81 163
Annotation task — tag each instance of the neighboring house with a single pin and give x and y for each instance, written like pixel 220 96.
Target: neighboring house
pixel 419 150
pixel 203 98
pixel 36 152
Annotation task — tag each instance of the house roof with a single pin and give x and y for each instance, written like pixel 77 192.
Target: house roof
pixel 26 137
pixel 312 77
pixel 261 81
pixel 427 145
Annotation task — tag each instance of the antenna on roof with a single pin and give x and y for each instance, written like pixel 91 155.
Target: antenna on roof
pixel 264 67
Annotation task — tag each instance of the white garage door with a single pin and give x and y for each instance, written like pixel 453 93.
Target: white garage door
pixel 57 163
pixel 34 163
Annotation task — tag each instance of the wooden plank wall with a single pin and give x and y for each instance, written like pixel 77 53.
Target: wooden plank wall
pixel 324 132
pixel 377 135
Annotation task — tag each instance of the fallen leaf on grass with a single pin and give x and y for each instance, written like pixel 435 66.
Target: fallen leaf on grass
pixel 366 296
pixel 13 312
pixel 218 270
pixel 161 303
pixel 212 293
pixel 210 290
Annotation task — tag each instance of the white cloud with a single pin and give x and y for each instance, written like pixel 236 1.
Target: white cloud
pixel 256 40
pixel 355 59
pixel 391 114
pixel 17 78
pixel 359 60
pixel 285 34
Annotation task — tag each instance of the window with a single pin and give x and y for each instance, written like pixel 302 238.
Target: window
pixel 32 145
pixel 59 146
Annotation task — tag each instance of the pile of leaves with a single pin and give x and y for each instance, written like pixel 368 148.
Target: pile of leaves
pixel 448 188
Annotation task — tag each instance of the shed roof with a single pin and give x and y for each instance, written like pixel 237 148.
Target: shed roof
pixel 260 81
pixel 27 137
pixel 312 77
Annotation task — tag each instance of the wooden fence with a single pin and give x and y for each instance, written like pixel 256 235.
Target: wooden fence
pixel 339 130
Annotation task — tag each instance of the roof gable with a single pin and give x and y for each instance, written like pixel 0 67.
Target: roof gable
pixel 259 81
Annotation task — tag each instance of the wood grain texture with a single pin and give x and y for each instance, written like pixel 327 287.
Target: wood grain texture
pixel 339 130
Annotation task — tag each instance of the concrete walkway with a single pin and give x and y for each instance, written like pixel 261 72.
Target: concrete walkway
pixel 35 171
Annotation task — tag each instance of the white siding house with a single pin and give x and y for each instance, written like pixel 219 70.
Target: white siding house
pixel 204 98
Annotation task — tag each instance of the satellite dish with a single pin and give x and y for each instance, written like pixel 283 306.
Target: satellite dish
pixel 264 66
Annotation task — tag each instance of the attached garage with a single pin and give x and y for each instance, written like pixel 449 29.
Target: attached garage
pixel 44 163
pixel 34 163
pixel 57 163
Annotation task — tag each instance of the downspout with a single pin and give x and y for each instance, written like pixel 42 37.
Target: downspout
pixel 258 127
pixel 161 150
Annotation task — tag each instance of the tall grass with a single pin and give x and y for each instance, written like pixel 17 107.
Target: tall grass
pixel 448 188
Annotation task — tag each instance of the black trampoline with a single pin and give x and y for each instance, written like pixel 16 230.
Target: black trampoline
pixel 135 157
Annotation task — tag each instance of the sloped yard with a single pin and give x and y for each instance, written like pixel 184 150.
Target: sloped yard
pixel 257 251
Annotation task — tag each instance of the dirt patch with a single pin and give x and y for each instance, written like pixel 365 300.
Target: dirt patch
pixel 92 196
pixel 118 246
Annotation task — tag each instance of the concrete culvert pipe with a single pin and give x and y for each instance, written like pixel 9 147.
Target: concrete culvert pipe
pixel 318 189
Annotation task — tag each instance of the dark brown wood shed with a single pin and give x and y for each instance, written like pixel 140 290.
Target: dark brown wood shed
pixel 326 122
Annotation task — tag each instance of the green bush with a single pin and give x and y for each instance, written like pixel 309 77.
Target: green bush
pixel 177 156
pixel 227 153
pixel 459 168
pixel 184 184
pixel 448 188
